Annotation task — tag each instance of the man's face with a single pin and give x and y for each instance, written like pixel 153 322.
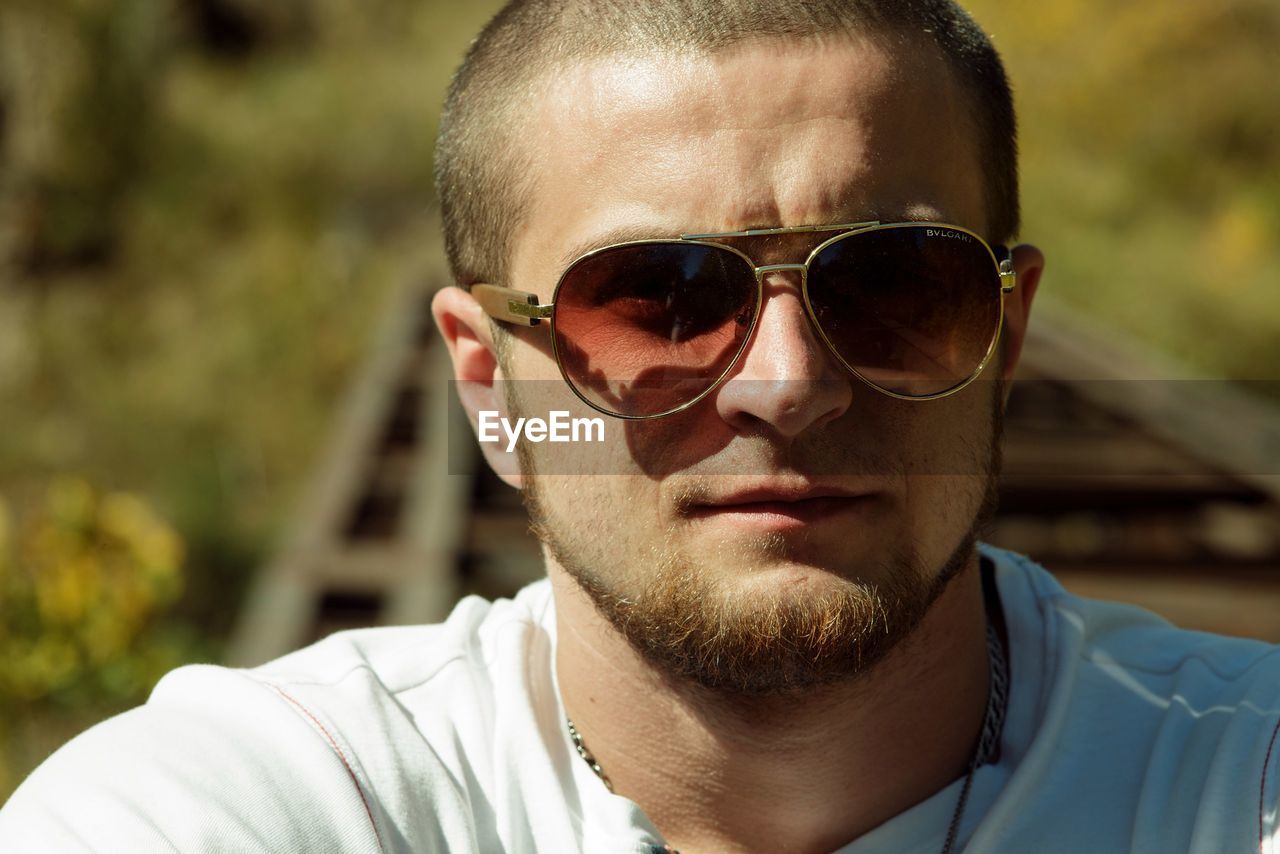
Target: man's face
pixel 687 541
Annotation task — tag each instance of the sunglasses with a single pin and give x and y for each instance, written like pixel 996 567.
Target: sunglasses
pixel 648 328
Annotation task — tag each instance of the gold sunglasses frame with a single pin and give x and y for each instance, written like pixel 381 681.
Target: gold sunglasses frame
pixel 522 308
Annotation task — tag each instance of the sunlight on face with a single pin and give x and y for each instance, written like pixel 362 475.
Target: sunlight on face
pixel 759 602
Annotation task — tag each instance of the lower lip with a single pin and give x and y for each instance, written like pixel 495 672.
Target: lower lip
pixel 782 515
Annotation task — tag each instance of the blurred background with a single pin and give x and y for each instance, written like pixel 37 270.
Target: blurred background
pixel 222 427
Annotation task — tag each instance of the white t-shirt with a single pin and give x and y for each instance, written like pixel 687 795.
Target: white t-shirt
pixel 1123 734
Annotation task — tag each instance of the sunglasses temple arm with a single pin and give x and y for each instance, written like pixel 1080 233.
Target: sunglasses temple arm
pixel 510 305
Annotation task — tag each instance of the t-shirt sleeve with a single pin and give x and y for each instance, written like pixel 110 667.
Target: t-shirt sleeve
pixel 215 761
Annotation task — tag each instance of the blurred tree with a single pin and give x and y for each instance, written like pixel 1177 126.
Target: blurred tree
pixel 236 28
pixel 79 79
pixel 1151 169
pixel 85 583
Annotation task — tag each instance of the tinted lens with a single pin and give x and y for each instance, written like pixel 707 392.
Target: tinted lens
pixel 914 309
pixel 644 329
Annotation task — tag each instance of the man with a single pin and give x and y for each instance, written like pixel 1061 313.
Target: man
pixel 769 242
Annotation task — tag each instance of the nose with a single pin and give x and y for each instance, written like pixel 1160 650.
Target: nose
pixel 786 380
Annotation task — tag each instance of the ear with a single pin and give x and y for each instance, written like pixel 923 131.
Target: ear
pixel 1028 262
pixel 469 339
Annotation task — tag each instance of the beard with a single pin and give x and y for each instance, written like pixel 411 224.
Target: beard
pixel 748 640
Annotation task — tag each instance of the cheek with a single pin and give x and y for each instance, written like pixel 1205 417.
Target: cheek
pixel 948 448
pixel 604 525
pixel 677 443
pixel 951 437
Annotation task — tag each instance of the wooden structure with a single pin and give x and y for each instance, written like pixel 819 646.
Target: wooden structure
pixel 1134 481
pixel 1111 479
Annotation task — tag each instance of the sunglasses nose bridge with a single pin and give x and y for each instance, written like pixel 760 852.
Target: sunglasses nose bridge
pixel 763 271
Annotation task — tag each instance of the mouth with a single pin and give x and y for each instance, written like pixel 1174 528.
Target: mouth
pixel 781 506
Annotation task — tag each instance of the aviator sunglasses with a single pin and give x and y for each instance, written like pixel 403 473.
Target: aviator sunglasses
pixel 648 328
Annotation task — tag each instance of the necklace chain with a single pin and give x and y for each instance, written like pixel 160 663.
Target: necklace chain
pixel 586 755
pixel 985 751
pixel 988 747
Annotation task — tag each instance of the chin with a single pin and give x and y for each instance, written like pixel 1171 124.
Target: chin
pixel 775 561
pixel 784 574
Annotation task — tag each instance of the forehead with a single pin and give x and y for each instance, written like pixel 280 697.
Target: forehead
pixel 769 133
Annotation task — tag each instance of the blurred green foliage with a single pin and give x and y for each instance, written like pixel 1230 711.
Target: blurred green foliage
pixel 87 574
pixel 85 581
pixel 204 207
pixel 81 84
pixel 279 189
pixel 1151 168
pixel 205 204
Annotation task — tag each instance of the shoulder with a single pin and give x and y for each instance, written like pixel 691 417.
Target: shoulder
pixel 1165 735
pixel 213 755
pixel 1113 636
pixel 319 750
pixel 402 659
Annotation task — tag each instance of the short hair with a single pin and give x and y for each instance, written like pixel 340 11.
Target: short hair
pixel 481 172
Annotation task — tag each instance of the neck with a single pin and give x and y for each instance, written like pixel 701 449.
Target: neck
pixel 801 773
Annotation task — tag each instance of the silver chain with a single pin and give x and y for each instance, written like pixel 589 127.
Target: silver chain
pixel 586 756
pixel 985 751
pixel 992 725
